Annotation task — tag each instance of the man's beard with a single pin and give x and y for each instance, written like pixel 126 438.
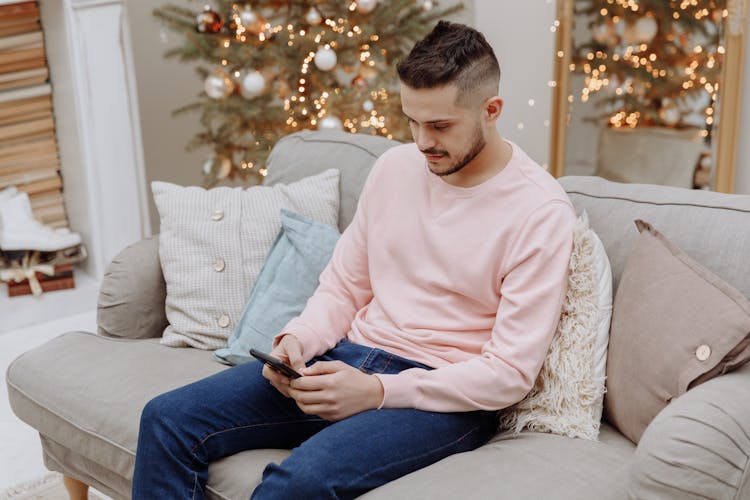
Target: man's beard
pixel 477 145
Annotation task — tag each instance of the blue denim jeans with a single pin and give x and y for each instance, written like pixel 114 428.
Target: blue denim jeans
pixel 237 409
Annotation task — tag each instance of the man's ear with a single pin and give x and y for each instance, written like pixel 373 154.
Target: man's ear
pixel 493 107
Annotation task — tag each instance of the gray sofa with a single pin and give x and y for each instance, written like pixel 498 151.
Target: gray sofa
pixel 84 392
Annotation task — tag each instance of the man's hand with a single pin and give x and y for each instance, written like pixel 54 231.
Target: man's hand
pixel 289 350
pixel 334 390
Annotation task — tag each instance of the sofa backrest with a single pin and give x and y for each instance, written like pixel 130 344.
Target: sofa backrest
pixel 308 152
pixel 712 228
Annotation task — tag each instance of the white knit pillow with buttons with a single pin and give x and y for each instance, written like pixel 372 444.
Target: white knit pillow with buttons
pixel 213 243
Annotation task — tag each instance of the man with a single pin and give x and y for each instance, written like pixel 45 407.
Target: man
pixel 436 310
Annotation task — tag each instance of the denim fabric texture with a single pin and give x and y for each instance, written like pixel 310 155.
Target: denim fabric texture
pixel 287 280
pixel 182 431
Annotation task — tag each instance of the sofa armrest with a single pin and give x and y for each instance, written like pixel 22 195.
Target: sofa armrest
pixel 698 446
pixel 133 292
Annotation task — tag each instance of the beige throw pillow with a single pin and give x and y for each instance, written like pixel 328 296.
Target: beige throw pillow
pixel 212 245
pixel 567 396
pixel 675 325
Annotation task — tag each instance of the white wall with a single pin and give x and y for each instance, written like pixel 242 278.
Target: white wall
pixel 520 34
pixel 163 86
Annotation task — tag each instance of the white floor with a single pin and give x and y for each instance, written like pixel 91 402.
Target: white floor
pixel 20 451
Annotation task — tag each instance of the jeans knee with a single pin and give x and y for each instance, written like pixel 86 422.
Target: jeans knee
pixel 280 482
pixel 159 412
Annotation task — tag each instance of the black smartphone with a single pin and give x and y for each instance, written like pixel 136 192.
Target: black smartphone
pixel 275 363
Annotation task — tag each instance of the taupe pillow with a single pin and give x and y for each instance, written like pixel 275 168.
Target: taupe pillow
pixel 675 324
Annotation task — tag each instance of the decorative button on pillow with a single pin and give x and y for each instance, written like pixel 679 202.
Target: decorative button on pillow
pixel 213 243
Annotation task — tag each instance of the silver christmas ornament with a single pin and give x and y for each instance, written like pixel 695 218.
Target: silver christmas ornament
pixel 248 17
pixel 313 17
pixel 646 29
pixel 325 58
pixel 330 122
pixel 366 6
pixel 217 87
pixel 253 84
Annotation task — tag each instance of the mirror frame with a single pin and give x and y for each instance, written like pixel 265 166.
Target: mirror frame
pixel 729 100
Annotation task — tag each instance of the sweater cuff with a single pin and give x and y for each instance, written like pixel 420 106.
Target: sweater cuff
pixel 307 338
pixel 400 390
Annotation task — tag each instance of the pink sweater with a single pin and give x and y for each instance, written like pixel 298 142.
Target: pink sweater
pixel 469 281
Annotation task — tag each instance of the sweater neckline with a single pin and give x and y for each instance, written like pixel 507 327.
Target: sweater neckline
pixel 458 191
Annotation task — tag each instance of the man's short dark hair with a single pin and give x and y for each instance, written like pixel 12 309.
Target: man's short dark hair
pixel 452 53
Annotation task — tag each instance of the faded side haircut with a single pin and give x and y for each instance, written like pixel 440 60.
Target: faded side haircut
pixel 453 53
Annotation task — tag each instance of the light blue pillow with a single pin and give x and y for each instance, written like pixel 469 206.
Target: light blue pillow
pixel 287 280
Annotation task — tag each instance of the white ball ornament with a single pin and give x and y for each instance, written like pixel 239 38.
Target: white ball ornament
pixel 330 122
pixel 222 164
pixel 248 17
pixel 671 115
pixel 217 87
pixel 253 84
pixel 366 6
pixel 646 29
pixel 313 17
pixel 368 105
pixel 325 58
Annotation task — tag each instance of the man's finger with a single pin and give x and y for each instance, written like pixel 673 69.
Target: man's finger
pixel 295 356
pixel 311 383
pixel 307 397
pixel 323 367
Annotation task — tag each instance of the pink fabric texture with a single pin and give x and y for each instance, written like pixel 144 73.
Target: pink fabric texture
pixel 469 281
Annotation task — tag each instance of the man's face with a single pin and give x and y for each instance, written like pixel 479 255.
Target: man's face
pixel 449 135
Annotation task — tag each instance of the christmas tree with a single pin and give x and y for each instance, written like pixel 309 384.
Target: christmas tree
pixel 657 62
pixel 277 66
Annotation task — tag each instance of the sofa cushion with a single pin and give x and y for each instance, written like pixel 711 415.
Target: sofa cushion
pixel 85 394
pixel 529 467
pixel 675 325
pixel 213 244
pixel 310 152
pixel 702 223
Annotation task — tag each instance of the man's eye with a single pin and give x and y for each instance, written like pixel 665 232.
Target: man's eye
pixel 441 127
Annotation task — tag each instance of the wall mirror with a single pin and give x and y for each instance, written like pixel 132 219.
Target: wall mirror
pixel 648 91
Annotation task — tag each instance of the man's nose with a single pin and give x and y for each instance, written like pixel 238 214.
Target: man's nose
pixel 424 140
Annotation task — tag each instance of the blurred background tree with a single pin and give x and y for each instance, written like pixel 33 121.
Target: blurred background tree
pixel 278 66
pixel 658 62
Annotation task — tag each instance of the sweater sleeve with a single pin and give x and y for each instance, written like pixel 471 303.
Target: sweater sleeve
pixel 343 290
pixel 533 285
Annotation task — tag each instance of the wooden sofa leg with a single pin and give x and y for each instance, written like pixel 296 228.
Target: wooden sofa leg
pixel 76 489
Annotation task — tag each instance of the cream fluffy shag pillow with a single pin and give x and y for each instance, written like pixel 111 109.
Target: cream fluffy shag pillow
pixel 567 397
